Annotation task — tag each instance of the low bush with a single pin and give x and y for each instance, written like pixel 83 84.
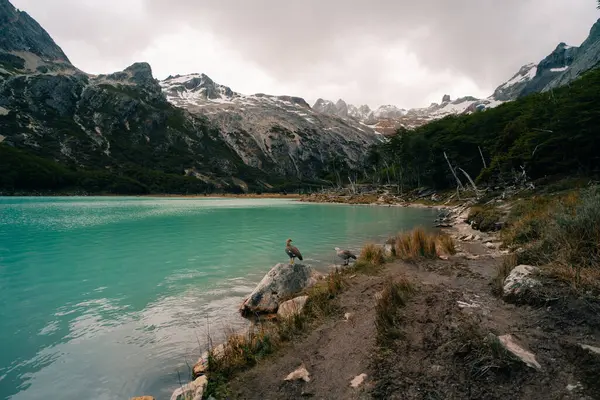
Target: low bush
pixel 484 218
pixel 561 233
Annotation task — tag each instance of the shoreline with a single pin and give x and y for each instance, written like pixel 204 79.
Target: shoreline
pixel 454 231
pixel 449 303
pixel 161 195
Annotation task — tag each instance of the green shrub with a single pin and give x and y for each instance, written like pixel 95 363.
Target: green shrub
pixel 484 218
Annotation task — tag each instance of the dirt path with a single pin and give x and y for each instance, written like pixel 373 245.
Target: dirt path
pixel 441 353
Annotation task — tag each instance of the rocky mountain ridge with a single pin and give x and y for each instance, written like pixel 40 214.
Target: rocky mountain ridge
pixel 280 133
pixel 387 118
pixel 183 125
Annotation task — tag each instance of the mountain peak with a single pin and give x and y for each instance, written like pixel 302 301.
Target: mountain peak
pixel 141 72
pixel 21 33
pixel 199 83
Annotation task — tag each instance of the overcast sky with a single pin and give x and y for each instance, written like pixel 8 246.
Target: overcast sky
pixel 407 53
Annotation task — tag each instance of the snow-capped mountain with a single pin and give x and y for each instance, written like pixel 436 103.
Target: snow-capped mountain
pixel 273 133
pixel 387 118
pixel 510 89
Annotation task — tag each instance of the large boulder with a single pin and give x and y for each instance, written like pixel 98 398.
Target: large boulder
pixel 281 282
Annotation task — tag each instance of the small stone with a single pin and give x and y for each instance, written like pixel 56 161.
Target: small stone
pixel 490 245
pixel 292 307
pixel 592 349
pixel 478 238
pixel 299 374
pixel 524 355
pixel 577 386
pixel 347 316
pixel 358 380
pixel 463 304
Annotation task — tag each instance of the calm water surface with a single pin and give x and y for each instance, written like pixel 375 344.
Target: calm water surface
pixel 107 298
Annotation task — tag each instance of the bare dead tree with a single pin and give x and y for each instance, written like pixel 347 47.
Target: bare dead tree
pixel 482 158
pixel 352 184
pixel 472 182
pixel 458 182
pixel 387 171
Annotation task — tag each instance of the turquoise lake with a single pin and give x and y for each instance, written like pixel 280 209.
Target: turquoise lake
pixel 107 298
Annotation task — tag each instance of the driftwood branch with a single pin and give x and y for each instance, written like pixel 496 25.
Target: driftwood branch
pixel 470 180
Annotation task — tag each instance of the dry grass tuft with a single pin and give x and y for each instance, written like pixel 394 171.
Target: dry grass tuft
pixel 414 245
pixel 393 298
pixel 445 244
pixel 241 351
pixel 509 262
pixel 371 257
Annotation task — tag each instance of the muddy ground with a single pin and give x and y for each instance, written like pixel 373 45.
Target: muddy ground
pixel 442 350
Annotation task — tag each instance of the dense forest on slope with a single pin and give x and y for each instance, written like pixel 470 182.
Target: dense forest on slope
pixel 544 134
pixel 23 172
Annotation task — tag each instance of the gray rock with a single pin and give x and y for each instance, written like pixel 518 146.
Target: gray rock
pixel 519 281
pixel 592 349
pixel 301 373
pixel 193 390
pixel 282 281
pixel 292 307
pixel 527 357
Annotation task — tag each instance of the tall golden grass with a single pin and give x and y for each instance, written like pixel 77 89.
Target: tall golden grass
pixel 414 245
pixel 371 257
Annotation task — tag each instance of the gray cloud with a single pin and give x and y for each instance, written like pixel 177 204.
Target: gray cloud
pixel 379 51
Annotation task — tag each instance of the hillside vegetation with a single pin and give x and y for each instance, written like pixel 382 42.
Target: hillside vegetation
pixel 542 135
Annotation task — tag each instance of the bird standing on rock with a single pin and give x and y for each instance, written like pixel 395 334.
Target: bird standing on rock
pixel 345 255
pixel 292 251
